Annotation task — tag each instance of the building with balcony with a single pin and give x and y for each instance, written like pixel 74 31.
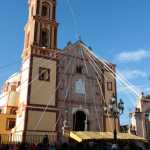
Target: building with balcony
pixel 140 118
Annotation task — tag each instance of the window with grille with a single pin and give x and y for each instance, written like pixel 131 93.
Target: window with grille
pixel 46 10
pixel 10 123
pixel 44 74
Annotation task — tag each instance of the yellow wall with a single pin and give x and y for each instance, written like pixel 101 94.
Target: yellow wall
pixel 4 133
pixel 23 96
pixel 3 123
pixel 47 123
pixel 43 92
pixel 24 82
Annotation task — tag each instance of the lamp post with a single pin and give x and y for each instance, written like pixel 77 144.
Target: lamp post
pixel 114 109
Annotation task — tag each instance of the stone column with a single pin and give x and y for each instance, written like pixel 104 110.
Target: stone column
pixel 86 124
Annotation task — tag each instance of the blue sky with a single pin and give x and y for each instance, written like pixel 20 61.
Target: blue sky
pixel 118 30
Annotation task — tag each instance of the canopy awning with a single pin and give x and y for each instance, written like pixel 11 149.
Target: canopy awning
pixel 89 136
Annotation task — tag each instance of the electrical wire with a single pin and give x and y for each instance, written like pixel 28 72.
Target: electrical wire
pixel 102 93
pixel 102 60
pixel 67 93
pixel 94 96
pixel 108 118
pixel 42 115
pixel 74 18
pixel 9 65
pixel 115 75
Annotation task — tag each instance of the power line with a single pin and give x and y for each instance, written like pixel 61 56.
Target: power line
pixel 42 115
pixel 114 74
pixel 75 22
pixel 9 65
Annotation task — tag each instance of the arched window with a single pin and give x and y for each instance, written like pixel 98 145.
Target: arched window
pixel 45 10
pixel 44 38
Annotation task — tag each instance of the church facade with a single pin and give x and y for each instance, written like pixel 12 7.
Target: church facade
pixel 57 91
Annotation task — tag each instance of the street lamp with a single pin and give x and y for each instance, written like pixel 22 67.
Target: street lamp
pixel 114 109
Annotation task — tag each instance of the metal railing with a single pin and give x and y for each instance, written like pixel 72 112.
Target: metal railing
pixel 15 139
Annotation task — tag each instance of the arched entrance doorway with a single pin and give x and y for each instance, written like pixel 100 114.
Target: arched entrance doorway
pixel 79 119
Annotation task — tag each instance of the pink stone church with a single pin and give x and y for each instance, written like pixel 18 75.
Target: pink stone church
pixel 56 90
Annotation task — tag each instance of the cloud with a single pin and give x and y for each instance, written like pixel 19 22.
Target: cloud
pixel 127 75
pixel 133 56
pixel 133 74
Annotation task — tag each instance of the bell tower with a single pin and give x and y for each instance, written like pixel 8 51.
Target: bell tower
pixel 41 28
pixel 37 113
